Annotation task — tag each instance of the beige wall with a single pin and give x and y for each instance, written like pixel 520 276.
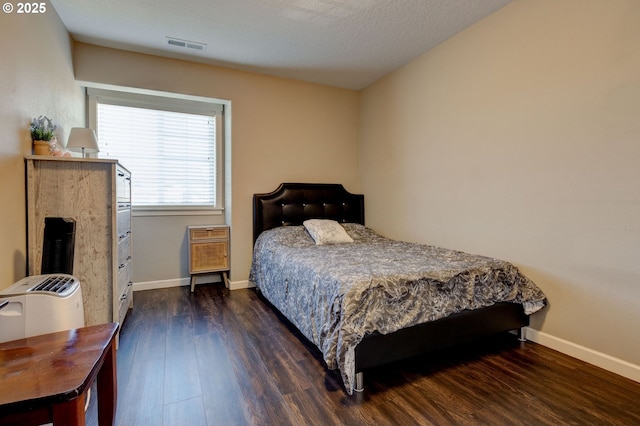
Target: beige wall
pixel 282 131
pixel 36 78
pixel 520 139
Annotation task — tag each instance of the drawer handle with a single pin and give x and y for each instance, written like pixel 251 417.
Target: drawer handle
pixel 128 232
pixel 120 174
pixel 122 265
pixel 130 283
pixel 128 257
pixel 121 236
pixel 123 297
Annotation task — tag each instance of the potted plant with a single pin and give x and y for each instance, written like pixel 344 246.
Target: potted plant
pixel 43 136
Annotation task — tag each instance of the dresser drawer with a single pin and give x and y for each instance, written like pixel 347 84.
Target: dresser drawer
pixel 123 185
pixel 124 251
pixel 124 277
pixel 123 223
pixel 125 301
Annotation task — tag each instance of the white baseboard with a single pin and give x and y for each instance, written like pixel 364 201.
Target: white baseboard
pixel 178 282
pixel 236 285
pixel 152 285
pixel 599 359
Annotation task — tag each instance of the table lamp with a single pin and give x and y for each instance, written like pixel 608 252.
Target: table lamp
pixel 82 139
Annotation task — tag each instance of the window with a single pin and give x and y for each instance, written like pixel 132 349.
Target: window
pixel 171 146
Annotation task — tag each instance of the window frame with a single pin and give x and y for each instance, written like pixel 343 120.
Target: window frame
pixel 169 102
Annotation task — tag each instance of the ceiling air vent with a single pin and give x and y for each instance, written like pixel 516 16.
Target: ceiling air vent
pixel 176 42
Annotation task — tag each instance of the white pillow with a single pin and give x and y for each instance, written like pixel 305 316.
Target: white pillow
pixel 325 231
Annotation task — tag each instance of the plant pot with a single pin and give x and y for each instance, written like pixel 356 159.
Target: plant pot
pixel 41 148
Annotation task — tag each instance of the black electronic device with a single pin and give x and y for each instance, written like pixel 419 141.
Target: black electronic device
pixel 58 245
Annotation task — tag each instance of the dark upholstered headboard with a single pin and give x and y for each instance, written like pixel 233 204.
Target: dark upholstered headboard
pixel 293 203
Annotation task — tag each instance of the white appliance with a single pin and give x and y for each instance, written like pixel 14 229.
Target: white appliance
pixel 41 304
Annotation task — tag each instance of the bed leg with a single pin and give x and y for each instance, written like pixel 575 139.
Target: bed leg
pixel 522 334
pixel 359 382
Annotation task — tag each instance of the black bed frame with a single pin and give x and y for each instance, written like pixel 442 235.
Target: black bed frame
pixel 293 203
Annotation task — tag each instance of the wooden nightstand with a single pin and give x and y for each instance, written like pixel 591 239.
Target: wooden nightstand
pixel 208 251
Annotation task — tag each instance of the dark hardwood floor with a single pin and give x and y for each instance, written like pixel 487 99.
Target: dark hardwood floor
pixel 217 357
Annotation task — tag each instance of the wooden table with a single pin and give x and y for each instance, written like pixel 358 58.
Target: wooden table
pixel 46 378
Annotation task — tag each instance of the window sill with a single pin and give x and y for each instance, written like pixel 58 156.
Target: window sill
pixel 175 211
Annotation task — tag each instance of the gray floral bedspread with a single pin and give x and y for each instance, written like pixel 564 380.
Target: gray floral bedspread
pixel 336 294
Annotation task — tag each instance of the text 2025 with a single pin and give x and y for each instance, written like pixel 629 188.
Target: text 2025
pixel 31 8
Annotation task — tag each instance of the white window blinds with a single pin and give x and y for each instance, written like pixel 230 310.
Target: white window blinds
pixel 171 154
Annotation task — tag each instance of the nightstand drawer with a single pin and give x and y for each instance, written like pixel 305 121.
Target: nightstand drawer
pixel 209 233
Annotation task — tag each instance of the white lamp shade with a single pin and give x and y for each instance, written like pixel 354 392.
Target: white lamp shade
pixel 82 139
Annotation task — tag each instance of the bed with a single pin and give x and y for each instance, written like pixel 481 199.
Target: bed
pixel 372 300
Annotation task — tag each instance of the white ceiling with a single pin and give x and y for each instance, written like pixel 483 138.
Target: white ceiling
pixel 343 43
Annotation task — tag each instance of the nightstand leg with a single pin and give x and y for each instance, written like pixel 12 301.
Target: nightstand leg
pixel 193 282
pixel 225 278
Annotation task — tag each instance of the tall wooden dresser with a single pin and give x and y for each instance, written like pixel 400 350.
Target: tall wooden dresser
pixel 96 194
